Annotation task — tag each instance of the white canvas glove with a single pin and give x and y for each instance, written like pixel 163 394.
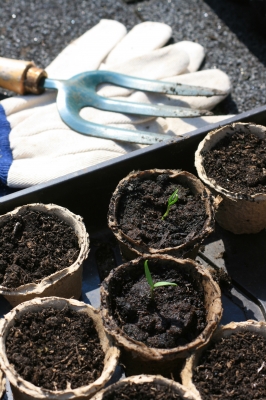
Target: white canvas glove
pixel 35 144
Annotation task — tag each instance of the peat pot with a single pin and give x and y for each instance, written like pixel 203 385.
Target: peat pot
pixel 231 365
pixel 2 384
pixel 149 387
pixel 72 336
pixel 231 161
pixel 157 330
pixel 138 205
pixel 47 241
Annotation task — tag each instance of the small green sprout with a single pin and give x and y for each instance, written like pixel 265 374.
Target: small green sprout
pixel 172 200
pixel 150 281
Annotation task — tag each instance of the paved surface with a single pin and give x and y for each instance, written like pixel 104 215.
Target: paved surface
pixel 39 30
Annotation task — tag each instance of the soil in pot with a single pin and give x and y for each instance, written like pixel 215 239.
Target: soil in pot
pixel 238 162
pixel 55 349
pixel 144 391
pixel 141 210
pixel 233 368
pixel 34 245
pixel 170 317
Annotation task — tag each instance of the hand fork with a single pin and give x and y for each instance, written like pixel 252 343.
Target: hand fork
pixel 80 91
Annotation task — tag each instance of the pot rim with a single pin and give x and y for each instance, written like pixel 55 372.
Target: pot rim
pixel 80 231
pixel 153 353
pixel 141 249
pixel 28 388
pixel 145 378
pixel 2 384
pixel 210 140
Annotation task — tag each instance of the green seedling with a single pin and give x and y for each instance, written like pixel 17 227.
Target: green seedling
pixel 150 281
pixel 172 200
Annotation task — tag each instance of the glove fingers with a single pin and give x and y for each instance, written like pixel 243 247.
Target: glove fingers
pixel 168 61
pixel 195 52
pixel 88 51
pixel 142 39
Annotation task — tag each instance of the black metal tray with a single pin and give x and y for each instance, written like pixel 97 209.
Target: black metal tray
pixel 88 193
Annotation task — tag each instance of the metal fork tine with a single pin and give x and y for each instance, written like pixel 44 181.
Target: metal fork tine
pixel 71 117
pixel 128 107
pixel 147 85
pixel 82 96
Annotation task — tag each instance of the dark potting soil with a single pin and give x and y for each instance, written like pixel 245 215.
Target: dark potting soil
pixel 172 317
pixel 233 368
pixel 34 245
pixel 144 202
pixel 145 391
pixel 55 349
pixel 238 163
pixel 223 279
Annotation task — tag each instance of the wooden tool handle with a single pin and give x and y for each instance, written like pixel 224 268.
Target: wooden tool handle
pixel 20 76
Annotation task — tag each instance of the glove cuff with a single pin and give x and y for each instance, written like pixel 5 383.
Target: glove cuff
pixel 5 150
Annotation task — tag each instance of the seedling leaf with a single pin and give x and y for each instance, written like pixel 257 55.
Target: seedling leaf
pixel 148 274
pixel 150 281
pixel 157 284
pixel 172 200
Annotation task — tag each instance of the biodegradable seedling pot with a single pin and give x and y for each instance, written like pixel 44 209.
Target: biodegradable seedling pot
pixel 186 247
pixel 25 390
pixel 154 381
pixel 236 212
pixel 2 384
pixel 254 327
pixel 64 283
pixel 137 357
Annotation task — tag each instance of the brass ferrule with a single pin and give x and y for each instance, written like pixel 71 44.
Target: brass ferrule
pixel 20 76
pixel 32 79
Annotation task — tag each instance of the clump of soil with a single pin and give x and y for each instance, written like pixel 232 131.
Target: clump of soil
pixel 173 316
pixel 233 368
pixel 238 163
pixel 222 278
pixel 144 202
pixel 145 391
pixel 55 349
pixel 34 245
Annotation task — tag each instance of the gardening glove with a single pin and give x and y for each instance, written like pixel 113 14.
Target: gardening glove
pixel 37 146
